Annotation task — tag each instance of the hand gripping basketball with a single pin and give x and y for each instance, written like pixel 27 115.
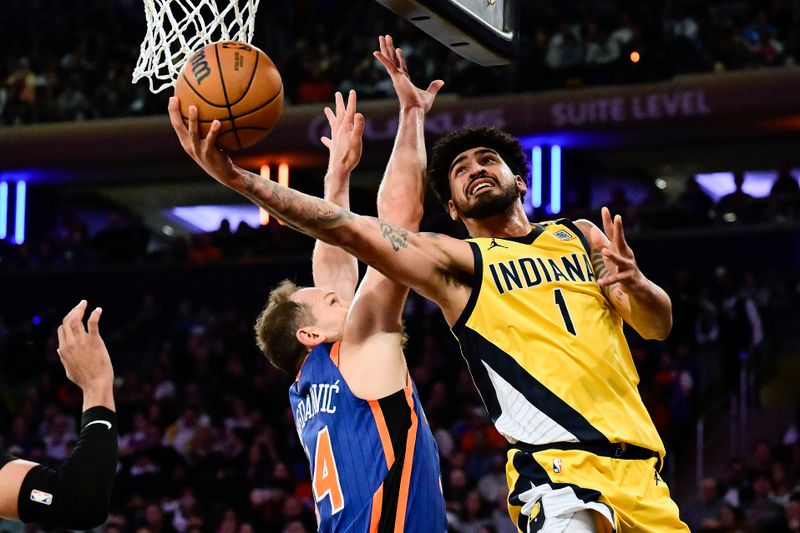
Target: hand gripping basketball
pixel 236 84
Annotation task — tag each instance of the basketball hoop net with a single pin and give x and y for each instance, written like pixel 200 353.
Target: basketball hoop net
pixel 176 28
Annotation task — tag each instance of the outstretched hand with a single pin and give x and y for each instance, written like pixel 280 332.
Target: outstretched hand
pixel 345 143
pixel 83 352
pixel 204 151
pixel 617 252
pixel 394 62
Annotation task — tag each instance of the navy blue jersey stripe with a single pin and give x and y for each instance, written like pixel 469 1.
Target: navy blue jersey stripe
pixel 534 391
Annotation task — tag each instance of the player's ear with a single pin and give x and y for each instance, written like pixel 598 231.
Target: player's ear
pixel 310 336
pixel 451 208
pixel 522 185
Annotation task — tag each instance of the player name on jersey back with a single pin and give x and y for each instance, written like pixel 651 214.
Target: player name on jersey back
pixel 320 399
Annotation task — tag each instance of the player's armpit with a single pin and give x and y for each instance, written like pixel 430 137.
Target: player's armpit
pixel 436 266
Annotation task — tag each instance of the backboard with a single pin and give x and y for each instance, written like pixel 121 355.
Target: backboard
pixel 483 31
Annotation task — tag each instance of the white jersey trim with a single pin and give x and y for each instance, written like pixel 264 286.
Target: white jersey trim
pixel 520 420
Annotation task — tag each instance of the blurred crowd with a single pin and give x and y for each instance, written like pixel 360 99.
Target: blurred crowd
pixel 124 238
pixel 207 439
pixel 758 493
pixel 208 443
pixel 694 207
pixel 73 60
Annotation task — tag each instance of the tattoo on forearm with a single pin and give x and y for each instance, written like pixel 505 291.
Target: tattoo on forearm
pixel 430 235
pixel 297 210
pixel 600 272
pixel 249 183
pixel 396 235
pixel 617 293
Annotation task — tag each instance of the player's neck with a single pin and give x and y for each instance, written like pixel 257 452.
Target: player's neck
pixel 511 223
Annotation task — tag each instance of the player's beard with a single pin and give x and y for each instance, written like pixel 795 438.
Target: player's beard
pixel 489 205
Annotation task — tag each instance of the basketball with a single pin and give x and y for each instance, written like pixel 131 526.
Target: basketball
pixel 235 83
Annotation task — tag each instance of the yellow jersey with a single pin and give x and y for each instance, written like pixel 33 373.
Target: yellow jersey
pixel 545 348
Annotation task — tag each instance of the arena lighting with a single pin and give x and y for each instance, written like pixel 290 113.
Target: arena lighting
pixel 555 179
pixel 19 210
pixel 283 174
pixel 635 57
pixel 283 179
pixel 536 178
pixel 263 215
pixel 3 209
pixel 756 183
pixel 208 218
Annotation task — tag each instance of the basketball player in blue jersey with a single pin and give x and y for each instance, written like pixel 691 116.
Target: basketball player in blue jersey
pixel 374 461
pixel 538 311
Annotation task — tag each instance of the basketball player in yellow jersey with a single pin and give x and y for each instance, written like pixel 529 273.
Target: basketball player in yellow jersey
pixel 538 311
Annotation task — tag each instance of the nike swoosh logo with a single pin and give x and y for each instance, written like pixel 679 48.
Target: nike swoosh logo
pixel 104 422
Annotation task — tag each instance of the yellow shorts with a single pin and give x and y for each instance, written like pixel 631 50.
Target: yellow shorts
pixel 627 495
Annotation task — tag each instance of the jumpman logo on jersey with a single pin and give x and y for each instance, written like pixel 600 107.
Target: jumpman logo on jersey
pixel 495 244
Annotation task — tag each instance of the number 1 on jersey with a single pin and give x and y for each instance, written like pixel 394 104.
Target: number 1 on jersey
pixel 562 305
pixel 326 476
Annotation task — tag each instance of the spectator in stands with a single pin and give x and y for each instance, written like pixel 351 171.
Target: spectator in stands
pixel 740 327
pixel 793 513
pixel 784 196
pixel 625 34
pixel 768 51
pixel 760 38
pixel 738 202
pixel 181 434
pixel 782 486
pixel 732 520
pixel 702 513
pixel 91 79
pixel 739 489
pixel 764 512
pixel 601 50
pixel 72 104
pixel 565 50
pixel 682 39
pixel 762 457
pixel 20 88
pixel 475 516
pixel 696 204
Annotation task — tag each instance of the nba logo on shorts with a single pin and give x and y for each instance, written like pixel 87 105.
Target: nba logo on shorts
pixel 557 466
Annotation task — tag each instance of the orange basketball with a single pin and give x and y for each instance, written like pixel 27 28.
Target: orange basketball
pixel 237 84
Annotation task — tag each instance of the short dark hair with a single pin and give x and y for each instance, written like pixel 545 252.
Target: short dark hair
pixel 277 325
pixel 448 147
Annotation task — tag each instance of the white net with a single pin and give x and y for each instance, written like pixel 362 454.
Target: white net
pixel 176 28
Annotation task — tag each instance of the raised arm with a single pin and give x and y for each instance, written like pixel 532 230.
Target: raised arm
pixel 76 494
pixel 378 306
pixel 645 306
pixel 436 266
pixel 332 267
pixel 402 189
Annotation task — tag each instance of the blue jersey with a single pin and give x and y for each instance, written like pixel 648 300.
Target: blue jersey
pixel 374 463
